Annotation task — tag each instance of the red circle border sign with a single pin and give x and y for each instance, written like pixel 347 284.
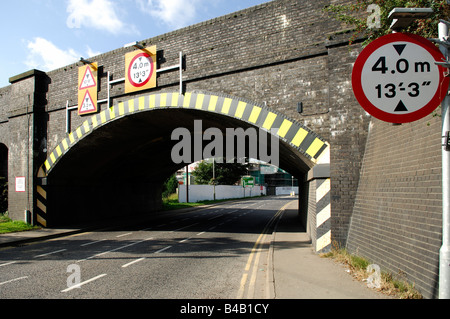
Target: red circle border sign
pixel 146 55
pixel 398 118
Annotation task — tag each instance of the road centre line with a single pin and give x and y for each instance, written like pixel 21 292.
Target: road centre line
pixel 6 264
pixel 183 227
pixel 115 249
pixel 133 262
pixel 50 253
pixel 83 283
pixel 163 249
pixel 118 236
pixel 12 280
pixel 215 217
pixel 92 242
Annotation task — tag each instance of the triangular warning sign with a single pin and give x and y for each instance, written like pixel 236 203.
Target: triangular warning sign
pixel 400 107
pixel 88 80
pixel 87 105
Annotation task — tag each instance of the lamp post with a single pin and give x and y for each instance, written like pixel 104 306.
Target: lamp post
pixel 402 17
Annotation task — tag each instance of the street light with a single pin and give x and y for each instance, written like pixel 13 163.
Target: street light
pixel 402 17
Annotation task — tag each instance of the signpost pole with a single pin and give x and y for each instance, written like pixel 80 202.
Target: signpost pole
pixel 444 252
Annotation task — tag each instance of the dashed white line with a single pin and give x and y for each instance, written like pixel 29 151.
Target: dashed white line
pixel 6 264
pixel 183 227
pixel 115 249
pixel 161 250
pixel 118 236
pixel 12 280
pixel 92 242
pixel 50 253
pixel 215 217
pixel 133 262
pixel 83 283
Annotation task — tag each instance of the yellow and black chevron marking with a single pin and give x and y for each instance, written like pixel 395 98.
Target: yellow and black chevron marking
pixel 41 200
pixel 300 137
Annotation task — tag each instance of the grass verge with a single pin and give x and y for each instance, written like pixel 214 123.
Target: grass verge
pixel 7 225
pixel 390 284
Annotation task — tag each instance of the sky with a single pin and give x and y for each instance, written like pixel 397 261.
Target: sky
pixel 48 34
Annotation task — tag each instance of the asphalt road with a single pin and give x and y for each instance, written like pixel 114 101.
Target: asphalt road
pixel 216 252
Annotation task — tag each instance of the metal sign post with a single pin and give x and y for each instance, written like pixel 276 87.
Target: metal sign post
pixel 444 252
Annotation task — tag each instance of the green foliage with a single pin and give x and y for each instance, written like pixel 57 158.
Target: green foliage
pixel 226 173
pixel 15 226
pixel 170 186
pixel 356 15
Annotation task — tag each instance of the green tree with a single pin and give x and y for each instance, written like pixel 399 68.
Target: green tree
pixel 356 15
pixel 170 186
pixel 226 173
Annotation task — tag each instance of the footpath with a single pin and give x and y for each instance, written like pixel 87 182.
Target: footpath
pixel 300 273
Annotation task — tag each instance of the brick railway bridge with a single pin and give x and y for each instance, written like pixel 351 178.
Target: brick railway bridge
pixel 364 184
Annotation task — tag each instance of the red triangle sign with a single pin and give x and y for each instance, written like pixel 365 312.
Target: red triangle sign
pixel 88 104
pixel 88 80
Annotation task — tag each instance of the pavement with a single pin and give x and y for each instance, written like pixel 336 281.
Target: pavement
pixel 300 273
pixel 297 271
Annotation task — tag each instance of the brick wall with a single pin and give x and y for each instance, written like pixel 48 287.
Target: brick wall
pixel 397 216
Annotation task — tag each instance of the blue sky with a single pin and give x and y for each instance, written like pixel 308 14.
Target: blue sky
pixel 48 34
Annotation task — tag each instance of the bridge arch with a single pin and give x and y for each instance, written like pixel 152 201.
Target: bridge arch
pixel 87 154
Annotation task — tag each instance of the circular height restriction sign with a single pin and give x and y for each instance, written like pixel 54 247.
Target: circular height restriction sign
pixel 140 69
pixel 396 80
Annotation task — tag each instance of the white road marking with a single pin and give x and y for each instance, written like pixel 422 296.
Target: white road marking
pixel 115 249
pixel 92 242
pixel 133 262
pixel 50 253
pixel 183 227
pixel 118 236
pixel 161 250
pixel 12 280
pixel 10 263
pixel 83 283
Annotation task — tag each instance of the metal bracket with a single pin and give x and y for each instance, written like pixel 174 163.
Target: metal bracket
pixel 446 141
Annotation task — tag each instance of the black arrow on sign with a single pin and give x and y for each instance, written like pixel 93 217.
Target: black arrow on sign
pixel 400 107
pixel 399 48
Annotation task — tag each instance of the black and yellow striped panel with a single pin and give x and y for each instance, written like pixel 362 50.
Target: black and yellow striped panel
pixel 41 205
pixel 292 132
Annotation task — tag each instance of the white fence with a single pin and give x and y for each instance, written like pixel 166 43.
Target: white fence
pixel 206 192
pixel 286 190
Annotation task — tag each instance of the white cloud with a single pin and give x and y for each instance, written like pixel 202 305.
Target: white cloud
pixel 44 55
pixel 91 53
pixel 175 13
pixel 97 14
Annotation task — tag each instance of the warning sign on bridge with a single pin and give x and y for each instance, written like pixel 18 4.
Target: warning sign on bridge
pixel 88 80
pixel 87 89
pixel 140 69
pixel 88 105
